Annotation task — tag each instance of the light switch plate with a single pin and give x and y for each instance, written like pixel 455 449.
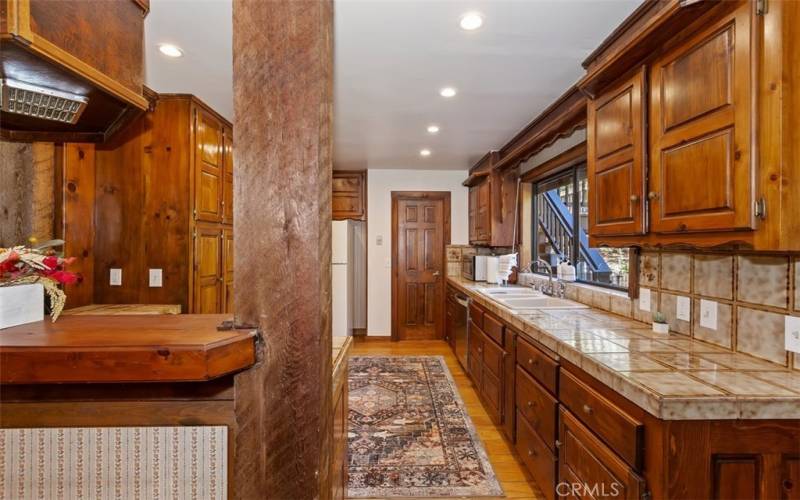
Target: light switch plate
pixel 684 308
pixel 708 314
pixel 156 278
pixel 792 333
pixel 644 299
pixel 379 240
pixel 115 277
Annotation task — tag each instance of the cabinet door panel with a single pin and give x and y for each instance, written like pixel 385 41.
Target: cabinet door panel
pixel 208 167
pixel 227 189
pixel 207 270
pixel 615 153
pixel 227 270
pixel 701 175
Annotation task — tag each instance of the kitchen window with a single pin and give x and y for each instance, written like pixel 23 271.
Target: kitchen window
pixel 560 223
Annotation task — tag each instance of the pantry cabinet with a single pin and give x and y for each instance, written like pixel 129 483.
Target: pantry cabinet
pixel 164 192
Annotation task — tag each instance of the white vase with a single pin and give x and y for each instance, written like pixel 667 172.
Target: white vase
pixel 661 327
pixel 20 304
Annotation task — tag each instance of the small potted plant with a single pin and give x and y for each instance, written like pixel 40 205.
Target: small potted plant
pixel 660 324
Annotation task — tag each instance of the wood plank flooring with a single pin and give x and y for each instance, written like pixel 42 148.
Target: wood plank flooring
pixel 513 479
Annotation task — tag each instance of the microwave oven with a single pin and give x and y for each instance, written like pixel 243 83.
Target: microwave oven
pixel 474 268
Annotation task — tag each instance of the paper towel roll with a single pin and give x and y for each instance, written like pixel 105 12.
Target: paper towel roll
pixel 492 264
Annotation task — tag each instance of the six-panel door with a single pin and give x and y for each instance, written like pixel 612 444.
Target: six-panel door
pixel 701 172
pixel 615 155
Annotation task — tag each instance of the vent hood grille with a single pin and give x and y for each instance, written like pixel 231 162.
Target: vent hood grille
pixel 40 102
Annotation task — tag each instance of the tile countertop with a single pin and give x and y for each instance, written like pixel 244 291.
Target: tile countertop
pixel 672 377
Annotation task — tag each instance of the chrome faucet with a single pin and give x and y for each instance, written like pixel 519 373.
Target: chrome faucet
pixel 550 289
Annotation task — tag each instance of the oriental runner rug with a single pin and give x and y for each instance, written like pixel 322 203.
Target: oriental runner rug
pixel 409 434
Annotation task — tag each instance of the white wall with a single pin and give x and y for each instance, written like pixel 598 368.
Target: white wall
pixel 380 184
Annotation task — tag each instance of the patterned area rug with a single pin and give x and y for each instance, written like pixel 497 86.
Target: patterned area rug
pixel 409 434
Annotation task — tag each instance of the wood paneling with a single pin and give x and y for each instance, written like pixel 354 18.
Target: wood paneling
pixel 615 154
pixel 701 175
pixel 349 198
pixel 27 204
pixel 123 349
pixel 420 231
pixel 77 224
pixel 282 213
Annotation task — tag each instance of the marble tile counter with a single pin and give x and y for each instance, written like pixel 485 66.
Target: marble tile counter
pixel 671 376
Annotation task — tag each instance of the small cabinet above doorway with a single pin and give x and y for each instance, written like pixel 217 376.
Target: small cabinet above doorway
pixel 349 197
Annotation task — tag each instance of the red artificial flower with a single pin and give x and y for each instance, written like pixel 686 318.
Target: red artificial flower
pixel 10 263
pixel 64 277
pixel 51 261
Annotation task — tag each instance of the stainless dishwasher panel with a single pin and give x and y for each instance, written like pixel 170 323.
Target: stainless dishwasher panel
pixel 460 324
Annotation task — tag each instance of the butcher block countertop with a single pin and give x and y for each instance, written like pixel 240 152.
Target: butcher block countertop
pixel 112 348
pixel 672 377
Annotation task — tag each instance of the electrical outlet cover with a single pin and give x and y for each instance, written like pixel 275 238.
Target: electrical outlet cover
pixel 115 277
pixel 792 333
pixel 684 308
pixel 644 299
pixel 708 314
pixel 156 278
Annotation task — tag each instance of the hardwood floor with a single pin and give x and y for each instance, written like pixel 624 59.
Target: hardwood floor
pixel 513 479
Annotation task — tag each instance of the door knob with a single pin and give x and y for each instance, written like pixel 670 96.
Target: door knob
pixel 436 273
pixel 652 195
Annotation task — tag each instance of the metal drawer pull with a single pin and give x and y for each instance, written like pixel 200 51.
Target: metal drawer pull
pixel 587 409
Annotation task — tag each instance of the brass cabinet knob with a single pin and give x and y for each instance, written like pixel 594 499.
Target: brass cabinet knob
pixel 530 404
pixel 634 198
pixel 652 195
pixel 587 409
pixel 531 453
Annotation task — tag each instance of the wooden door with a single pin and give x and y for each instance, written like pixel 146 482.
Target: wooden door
pixel 701 169
pixel 615 154
pixel 421 228
pixel 227 270
pixel 207 270
pixel 349 195
pixel 227 168
pixel 208 167
pixel 587 468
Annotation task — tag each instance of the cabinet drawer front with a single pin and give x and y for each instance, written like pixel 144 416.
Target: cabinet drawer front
pixel 475 339
pixel 537 406
pixel 492 392
pixel 537 457
pixel 493 328
pixel 538 364
pixel 623 433
pixel 584 460
pixel 476 314
pixel 493 357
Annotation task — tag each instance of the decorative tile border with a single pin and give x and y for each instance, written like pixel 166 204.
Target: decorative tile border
pixel 147 463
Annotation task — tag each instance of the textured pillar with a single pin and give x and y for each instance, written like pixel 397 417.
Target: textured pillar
pixel 282 77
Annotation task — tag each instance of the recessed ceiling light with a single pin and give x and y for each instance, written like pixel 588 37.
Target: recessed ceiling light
pixel 424 152
pixel 433 129
pixel 471 21
pixel 170 50
pixel 447 92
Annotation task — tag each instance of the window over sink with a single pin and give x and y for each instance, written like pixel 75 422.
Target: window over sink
pixel 559 231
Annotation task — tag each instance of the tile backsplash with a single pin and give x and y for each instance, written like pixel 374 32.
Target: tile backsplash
pixel 752 294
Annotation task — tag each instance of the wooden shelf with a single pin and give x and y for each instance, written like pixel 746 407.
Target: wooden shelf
pixel 103 349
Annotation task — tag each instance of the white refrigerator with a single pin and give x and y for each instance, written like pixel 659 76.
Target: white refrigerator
pixel 342 248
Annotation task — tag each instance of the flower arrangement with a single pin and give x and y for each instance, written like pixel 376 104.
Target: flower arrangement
pixel 41 264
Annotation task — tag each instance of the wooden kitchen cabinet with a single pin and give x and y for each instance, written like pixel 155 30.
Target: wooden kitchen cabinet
pixel 349 198
pixel 164 191
pixel 701 170
pixel 616 152
pixel 492 203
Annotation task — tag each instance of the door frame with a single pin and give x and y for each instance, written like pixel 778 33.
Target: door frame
pixel 446 227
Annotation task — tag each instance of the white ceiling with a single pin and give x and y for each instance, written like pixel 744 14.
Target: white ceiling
pixel 392 57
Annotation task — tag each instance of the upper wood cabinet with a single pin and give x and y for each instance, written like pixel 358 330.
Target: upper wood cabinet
pixel 227 177
pixel 349 197
pixel 701 170
pixel 89 49
pixel 208 170
pixel 691 135
pixel 492 203
pixel 615 149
